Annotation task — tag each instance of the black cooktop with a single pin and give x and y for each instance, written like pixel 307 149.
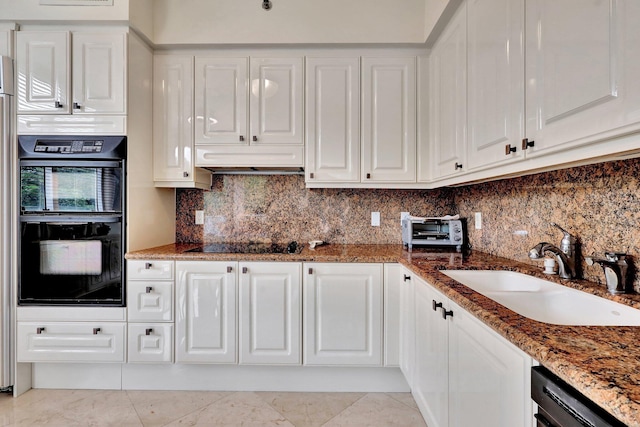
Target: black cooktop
pixel 250 248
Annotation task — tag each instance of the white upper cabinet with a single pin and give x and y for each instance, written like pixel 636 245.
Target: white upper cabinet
pixel 495 55
pixel 388 119
pixel 582 72
pixel 221 99
pixel 448 98
pixel 44 76
pixel 249 112
pixel 71 73
pixel 172 122
pixel 276 93
pixel 333 119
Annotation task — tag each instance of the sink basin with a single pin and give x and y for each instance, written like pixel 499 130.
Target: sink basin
pixel 546 301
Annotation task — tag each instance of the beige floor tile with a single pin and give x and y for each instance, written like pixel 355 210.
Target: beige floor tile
pixel 158 408
pixel 237 409
pixel 309 409
pixel 71 408
pixel 377 409
pixel 405 398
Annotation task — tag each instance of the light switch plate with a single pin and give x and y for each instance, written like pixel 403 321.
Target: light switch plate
pixel 375 219
pixel 478 220
pixel 199 217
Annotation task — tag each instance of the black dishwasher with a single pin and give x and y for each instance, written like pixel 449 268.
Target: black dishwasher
pixel 560 405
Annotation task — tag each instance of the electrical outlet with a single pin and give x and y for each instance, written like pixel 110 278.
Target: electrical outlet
pixel 403 215
pixel 199 217
pixel 478 220
pixel 375 219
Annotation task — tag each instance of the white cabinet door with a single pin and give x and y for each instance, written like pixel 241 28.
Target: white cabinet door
pixel 342 314
pixel 99 73
pixel 172 118
pixel 276 93
pixel 495 55
pixel 206 312
pixel 391 333
pixel 270 313
pixel 582 67
pixel 43 72
pixel 388 119
pixel 430 385
pixel 221 102
pixel 407 327
pixel 448 98
pixel 489 378
pixel 332 120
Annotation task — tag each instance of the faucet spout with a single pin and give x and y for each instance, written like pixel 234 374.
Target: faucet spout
pixel 566 254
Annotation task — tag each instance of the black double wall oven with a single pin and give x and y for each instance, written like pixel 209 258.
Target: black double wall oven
pixel 72 220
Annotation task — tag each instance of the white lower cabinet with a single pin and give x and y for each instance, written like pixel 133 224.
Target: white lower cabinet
pixel 407 326
pixel 270 314
pixel 71 341
pixel 342 306
pixel 206 312
pixel 391 330
pixel 150 342
pixel 150 288
pixel 465 373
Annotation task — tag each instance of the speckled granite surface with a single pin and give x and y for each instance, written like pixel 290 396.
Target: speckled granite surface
pixel 601 362
pixel 272 208
pixel 599 203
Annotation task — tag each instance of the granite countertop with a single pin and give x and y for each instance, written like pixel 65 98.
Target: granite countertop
pixel 602 362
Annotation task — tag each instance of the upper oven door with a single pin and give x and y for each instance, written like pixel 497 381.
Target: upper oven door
pixel 51 186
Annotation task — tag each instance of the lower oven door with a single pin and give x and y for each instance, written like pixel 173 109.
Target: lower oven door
pixel 71 260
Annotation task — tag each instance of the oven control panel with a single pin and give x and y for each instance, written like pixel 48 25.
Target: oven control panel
pixel 68 146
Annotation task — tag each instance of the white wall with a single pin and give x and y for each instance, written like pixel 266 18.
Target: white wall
pixel 31 10
pixel 141 17
pixel 235 22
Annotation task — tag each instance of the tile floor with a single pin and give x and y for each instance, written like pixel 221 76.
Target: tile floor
pixel 67 408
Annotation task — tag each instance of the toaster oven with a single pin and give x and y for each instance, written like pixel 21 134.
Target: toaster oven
pixel 433 232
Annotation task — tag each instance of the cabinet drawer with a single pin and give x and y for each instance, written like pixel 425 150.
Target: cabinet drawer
pixel 150 342
pixel 70 342
pixel 150 301
pixel 149 269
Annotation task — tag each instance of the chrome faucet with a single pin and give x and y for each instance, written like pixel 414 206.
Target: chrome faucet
pixel 566 254
pixel 617 269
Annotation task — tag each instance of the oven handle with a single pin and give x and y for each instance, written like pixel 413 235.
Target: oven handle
pixel 72 163
pixel 567 408
pixel 75 218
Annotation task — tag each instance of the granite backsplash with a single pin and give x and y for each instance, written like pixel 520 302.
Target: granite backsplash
pixel 600 204
pixel 276 208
